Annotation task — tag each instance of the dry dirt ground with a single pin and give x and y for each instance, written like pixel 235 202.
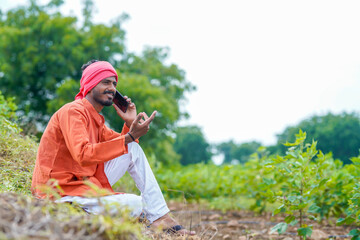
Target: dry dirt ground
pixel 23 218
pixel 245 225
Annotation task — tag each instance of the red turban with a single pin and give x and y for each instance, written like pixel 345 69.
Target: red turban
pixel 93 74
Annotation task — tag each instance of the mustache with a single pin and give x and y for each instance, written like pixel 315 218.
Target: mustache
pixel 106 92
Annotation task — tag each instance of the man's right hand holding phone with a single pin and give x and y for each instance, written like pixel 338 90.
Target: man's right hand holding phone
pixel 130 114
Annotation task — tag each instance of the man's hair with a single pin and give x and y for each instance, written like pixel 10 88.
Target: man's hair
pixel 88 64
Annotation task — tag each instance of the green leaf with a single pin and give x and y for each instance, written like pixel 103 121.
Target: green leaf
pixel 280 228
pixel 277 211
pixel 340 221
pixel 292 198
pixel 347 220
pixel 356 195
pixel 305 232
pixel 314 209
pixel 269 194
pixel 279 159
pixel 269 181
pixel 289 219
pixel 354 232
pixel 355 160
pixel 287 144
pixel 322 182
pixel 293 223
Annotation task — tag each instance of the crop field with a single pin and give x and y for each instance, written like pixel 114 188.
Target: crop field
pixel 303 194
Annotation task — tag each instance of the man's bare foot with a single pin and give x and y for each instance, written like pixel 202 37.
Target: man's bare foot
pixel 167 223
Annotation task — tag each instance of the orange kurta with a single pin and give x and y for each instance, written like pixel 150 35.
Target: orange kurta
pixel 74 147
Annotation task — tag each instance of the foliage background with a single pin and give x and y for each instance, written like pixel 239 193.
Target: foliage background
pixel 42 51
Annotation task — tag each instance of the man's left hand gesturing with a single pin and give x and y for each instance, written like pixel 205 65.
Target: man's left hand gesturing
pixel 130 114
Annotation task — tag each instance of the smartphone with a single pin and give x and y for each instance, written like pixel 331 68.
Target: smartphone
pixel 120 101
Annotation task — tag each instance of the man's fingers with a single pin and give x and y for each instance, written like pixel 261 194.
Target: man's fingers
pixel 149 120
pixel 138 117
pixel 118 110
pixel 116 107
pixel 145 116
pixel 142 120
pixel 153 115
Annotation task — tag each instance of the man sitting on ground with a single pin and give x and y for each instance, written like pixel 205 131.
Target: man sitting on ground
pixel 77 147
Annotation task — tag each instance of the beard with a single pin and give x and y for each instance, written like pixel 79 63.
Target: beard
pixel 98 97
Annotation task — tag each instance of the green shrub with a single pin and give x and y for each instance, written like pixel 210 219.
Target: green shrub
pixel 17 152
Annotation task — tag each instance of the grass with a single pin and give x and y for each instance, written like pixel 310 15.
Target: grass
pixel 17 159
pixel 24 217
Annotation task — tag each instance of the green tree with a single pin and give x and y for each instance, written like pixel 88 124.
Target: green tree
pixel 237 152
pixel 41 53
pixel 40 49
pixel 7 107
pixel 191 145
pixel 243 151
pixel 338 134
pixel 227 148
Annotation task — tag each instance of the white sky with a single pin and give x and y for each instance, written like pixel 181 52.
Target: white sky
pixel 259 66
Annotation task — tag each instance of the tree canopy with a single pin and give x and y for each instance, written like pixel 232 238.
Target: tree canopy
pixel 42 51
pixel 239 153
pixel 40 48
pixel 338 134
pixel 191 145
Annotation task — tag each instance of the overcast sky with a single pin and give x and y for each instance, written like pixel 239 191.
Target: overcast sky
pixel 259 66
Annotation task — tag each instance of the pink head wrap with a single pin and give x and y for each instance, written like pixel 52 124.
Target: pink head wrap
pixel 93 74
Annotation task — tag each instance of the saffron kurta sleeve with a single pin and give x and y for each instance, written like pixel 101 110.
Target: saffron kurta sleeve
pixel 73 125
pixel 110 134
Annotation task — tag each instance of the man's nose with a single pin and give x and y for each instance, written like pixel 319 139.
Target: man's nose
pixel 113 88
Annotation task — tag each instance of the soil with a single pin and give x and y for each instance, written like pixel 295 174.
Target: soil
pixel 210 224
pixel 24 218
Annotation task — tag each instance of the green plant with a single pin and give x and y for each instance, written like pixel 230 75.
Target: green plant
pixel 17 152
pixel 258 180
pixel 353 211
pixel 304 177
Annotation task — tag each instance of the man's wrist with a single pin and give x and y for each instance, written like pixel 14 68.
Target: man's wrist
pixel 132 137
pixel 128 139
pixel 128 124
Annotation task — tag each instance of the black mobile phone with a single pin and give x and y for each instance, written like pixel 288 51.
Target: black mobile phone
pixel 120 101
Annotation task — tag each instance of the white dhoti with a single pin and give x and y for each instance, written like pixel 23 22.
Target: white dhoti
pixel 135 162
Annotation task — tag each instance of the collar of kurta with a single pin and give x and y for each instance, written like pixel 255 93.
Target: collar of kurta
pixel 99 119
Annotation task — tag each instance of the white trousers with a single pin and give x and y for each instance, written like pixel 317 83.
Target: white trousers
pixel 135 162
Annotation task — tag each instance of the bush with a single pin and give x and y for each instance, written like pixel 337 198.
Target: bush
pixel 17 152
